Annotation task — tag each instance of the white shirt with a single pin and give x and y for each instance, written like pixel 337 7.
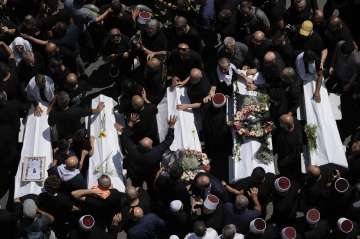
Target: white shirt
pixel 210 234
pixel 237 236
pixel 33 92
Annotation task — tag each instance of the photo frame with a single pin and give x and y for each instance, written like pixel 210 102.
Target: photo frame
pixel 33 169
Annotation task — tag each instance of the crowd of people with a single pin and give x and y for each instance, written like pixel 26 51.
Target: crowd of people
pixel 146 46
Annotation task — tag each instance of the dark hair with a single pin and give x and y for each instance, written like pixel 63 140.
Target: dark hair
pixel 176 172
pixel 63 100
pixel 52 184
pixel 63 145
pixel 258 174
pixel 116 6
pixel 347 47
pixel 80 135
pixel 4 70
pixel 199 228
pixel 309 56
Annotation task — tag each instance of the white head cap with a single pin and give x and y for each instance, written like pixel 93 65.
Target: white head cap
pixel 176 205
pixel 282 184
pixel 258 226
pixel 345 225
pixel 313 216
pixel 288 233
pixel 211 202
pixel 86 222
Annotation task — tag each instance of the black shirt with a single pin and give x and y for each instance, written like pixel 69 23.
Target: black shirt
pixel 103 210
pixel 11 86
pixel 68 121
pixel 77 95
pixel 192 38
pixel 312 42
pixel 333 37
pixel 197 92
pixel 155 43
pixel 181 67
pixel 147 126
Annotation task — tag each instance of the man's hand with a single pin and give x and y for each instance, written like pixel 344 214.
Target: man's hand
pixel 100 107
pixel 182 107
pixel 251 87
pixel 38 111
pixel 119 127
pixel 134 118
pixel 117 219
pixel 175 81
pixel 172 121
pixel 150 56
pixel 207 99
pixel 253 192
pixel 223 183
pixel 144 95
pixel 317 97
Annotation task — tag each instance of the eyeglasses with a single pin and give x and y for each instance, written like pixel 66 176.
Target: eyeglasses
pixel 115 35
pixel 183 49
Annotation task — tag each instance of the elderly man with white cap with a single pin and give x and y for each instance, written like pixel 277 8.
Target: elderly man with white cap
pixel 285 198
pixel 212 212
pixel 178 219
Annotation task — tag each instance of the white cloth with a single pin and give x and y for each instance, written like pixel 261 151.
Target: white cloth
pixel 258 80
pixel 33 92
pixel 236 236
pixel 227 78
pixel 65 174
pixel 37 142
pixel 107 158
pixel 209 234
pixel 243 168
pixel 329 146
pixel 186 136
pixel 19 41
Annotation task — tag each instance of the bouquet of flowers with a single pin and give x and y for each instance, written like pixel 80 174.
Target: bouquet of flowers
pixel 251 119
pixel 193 162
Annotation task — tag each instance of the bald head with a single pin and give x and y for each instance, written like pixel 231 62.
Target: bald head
pixel 269 57
pixel 137 213
pixel 287 121
pixel 131 193
pixel 146 143
pixel 137 102
pixel 318 17
pixel 224 64
pixel 259 37
pixel 71 78
pixel 241 202
pixel 154 63
pixel 335 23
pixel 313 171
pixel 71 162
pixel 180 21
pixel 104 181
pixel 203 181
pixel 195 75
pixel 51 48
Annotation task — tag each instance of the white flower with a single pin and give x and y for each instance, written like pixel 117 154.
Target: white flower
pixel 206 162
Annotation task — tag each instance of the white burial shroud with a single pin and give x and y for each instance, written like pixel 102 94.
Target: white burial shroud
pixel 329 146
pixel 107 158
pixel 37 143
pixel 186 136
pixel 243 167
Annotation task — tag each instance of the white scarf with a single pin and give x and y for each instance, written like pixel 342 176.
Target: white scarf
pixel 227 78
pixel 19 41
pixel 65 174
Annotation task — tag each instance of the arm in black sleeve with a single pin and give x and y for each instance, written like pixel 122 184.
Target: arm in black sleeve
pixel 166 143
pixel 128 143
